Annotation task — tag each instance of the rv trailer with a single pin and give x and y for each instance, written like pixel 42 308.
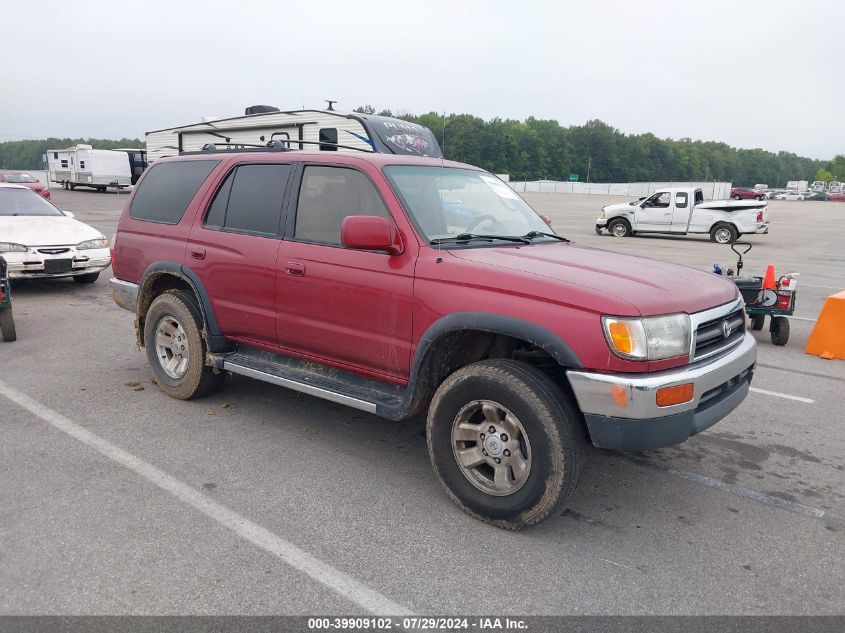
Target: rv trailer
pixel 83 166
pixel 323 130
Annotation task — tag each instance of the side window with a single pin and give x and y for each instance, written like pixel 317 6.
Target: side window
pixel 699 196
pixel 662 201
pixel 82 164
pixel 64 163
pixel 217 211
pixel 250 200
pixel 328 135
pixel 329 194
pixel 55 156
pixel 167 189
pixel 681 200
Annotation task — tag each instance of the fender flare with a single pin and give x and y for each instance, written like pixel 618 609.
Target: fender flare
pixel 216 341
pixel 495 324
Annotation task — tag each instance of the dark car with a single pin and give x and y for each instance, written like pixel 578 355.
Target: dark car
pixel 23 178
pixel 740 193
pixel 816 195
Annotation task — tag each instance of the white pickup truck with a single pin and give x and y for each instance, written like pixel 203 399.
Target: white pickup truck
pixel 683 210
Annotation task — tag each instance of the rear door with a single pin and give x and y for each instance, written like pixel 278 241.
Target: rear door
pixel 655 212
pixel 681 212
pixel 233 248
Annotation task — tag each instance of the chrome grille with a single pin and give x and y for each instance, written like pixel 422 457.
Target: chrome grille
pixel 53 251
pixel 710 336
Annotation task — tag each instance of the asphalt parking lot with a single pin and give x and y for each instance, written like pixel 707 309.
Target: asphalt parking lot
pixel 117 499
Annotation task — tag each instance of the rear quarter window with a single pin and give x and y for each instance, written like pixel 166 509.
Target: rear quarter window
pixel 167 189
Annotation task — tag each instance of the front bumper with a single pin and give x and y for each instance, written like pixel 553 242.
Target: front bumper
pixel 601 223
pixel 621 409
pixel 35 264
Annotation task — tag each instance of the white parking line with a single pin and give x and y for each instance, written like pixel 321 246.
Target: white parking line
pixel 325 574
pixel 802 319
pixel 778 394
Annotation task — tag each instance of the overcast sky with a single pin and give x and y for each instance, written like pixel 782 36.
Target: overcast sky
pixel 751 74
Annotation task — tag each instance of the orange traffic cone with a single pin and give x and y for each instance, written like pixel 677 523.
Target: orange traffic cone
pixel 769 279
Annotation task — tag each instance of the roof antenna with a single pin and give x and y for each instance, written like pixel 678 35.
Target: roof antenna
pixel 331 103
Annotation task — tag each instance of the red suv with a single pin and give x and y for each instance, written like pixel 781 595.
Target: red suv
pixel 397 284
pixel 739 193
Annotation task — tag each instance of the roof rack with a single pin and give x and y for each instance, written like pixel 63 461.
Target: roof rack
pixel 271 146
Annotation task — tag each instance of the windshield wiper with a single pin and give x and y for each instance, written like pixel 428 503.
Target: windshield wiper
pixel 534 234
pixel 471 237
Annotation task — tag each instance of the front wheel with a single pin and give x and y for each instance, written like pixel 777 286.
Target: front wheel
pixel 7 325
pixel 619 228
pixel 779 330
pixel 737 197
pixel 176 349
pixel 505 442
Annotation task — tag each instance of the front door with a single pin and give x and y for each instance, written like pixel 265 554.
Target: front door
pixel 346 307
pixel 234 249
pixel 655 212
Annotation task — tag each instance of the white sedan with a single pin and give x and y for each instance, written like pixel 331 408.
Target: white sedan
pixel 790 195
pixel 37 239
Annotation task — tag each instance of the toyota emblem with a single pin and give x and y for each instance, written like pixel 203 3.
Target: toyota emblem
pixel 726 329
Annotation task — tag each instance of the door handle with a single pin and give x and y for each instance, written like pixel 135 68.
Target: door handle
pixel 295 269
pixel 197 253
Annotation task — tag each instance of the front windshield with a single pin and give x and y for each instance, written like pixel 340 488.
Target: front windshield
pixel 19 178
pixel 446 202
pixel 24 202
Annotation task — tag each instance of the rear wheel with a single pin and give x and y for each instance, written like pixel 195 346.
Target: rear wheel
pixel 619 228
pixel 505 442
pixel 723 234
pixel 758 321
pixel 87 278
pixel 779 330
pixel 176 349
pixel 737 197
pixel 7 325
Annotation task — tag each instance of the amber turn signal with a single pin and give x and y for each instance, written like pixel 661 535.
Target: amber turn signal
pixel 667 396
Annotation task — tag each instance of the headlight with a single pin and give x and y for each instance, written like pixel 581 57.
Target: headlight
pixel 10 247
pixel 88 244
pixel 652 338
pixel 602 214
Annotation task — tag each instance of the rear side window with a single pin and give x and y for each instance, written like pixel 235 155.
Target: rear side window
pixel 681 200
pixel 250 200
pixel 167 189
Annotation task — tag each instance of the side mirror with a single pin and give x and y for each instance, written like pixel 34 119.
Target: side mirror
pixel 370 233
pixel 546 219
pixel 69 214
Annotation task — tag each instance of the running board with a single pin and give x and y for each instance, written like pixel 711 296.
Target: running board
pixel 328 383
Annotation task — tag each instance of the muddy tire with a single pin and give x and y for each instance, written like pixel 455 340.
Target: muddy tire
pixel 511 412
pixel 7 325
pixel 176 349
pixel 619 228
pixel 758 321
pixel 779 330
pixel 87 278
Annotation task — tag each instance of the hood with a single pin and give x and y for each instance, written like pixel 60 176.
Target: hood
pixel 620 207
pixel 39 230
pixel 650 286
pixel 35 186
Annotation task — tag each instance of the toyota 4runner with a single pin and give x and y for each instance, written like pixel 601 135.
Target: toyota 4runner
pixel 396 284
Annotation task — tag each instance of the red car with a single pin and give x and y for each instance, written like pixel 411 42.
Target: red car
pixel 23 178
pixel 836 197
pixel 740 193
pixel 350 277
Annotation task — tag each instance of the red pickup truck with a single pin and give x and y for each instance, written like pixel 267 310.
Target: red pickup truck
pixel 397 284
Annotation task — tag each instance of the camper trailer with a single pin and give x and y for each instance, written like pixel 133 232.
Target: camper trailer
pixel 324 130
pixel 83 166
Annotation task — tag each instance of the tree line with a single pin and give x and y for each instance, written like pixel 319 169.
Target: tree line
pixel 543 149
pixel 27 154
